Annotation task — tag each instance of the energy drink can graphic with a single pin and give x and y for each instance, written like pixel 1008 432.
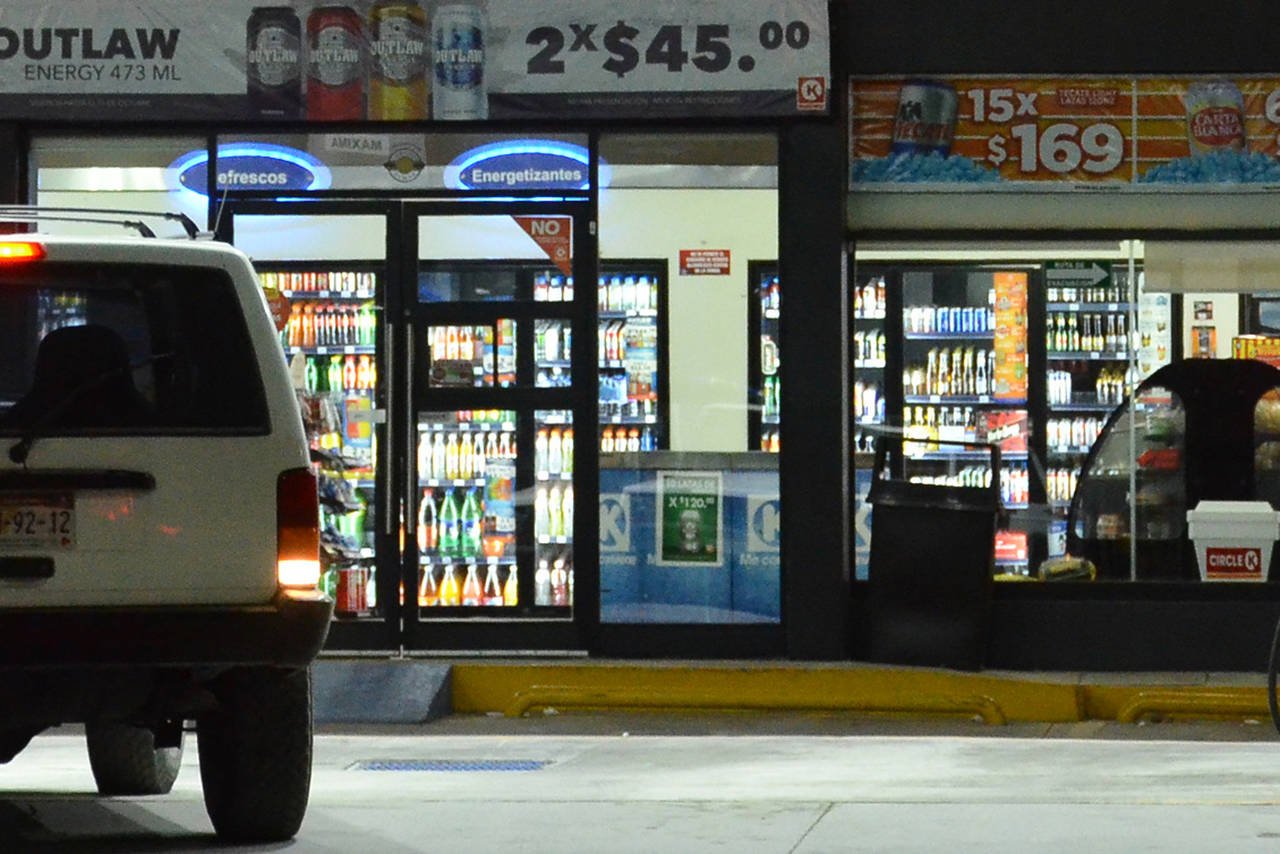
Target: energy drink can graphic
pixel 398 88
pixel 335 64
pixel 457 52
pixel 273 66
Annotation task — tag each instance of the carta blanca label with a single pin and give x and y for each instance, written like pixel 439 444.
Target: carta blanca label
pixel 83 43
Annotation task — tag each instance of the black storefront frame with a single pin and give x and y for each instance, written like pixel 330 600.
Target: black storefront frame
pixel 815 541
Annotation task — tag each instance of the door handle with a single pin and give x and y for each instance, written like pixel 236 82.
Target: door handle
pixel 388 453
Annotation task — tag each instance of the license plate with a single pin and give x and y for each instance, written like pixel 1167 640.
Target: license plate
pixel 38 521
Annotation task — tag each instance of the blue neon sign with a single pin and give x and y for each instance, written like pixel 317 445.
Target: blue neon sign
pixel 253 166
pixel 523 164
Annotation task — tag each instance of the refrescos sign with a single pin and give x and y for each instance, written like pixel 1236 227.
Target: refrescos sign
pixel 153 60
pixel 252 166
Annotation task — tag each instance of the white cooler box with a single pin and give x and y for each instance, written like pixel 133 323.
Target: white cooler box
pixel 1233 539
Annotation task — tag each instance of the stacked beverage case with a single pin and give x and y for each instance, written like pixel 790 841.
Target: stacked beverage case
pixel 396 65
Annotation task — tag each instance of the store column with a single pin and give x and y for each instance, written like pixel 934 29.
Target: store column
pixel 816 546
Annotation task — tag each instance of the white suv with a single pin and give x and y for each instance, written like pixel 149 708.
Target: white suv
pixel 158 523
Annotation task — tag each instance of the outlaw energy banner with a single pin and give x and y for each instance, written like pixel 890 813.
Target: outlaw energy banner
pixel 1092 130
pixel 406 60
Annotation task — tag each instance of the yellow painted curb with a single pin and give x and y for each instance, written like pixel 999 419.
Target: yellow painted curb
pixel 517 689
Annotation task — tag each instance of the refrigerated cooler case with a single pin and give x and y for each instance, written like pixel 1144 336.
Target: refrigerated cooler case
pixel 631 344
pixel 764 357
pixel 330 313
pixel 1103 336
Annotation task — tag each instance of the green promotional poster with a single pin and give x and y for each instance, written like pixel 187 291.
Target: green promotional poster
pixel 690 529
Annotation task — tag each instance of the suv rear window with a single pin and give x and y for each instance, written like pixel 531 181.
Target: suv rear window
pixel 92 348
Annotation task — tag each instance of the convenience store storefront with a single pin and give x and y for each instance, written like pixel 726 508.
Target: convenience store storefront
pixel 422 186
pixel 1121 202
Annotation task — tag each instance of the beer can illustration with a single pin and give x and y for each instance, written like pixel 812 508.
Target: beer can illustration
pixel 335 64
pixel 273 63
pixel 398 87
pixel 1215 116
pixel 457 50
pixel 926 119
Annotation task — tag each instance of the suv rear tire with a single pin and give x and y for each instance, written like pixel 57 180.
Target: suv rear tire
pixel 126 761
pixel 255 753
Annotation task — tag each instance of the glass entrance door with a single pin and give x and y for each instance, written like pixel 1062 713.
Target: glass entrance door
pixel 500 427
pixel 324 269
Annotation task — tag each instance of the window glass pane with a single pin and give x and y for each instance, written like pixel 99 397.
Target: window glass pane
pixel 689 354
pixel 111 347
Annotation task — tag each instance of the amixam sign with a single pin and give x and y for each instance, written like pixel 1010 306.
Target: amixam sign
pixel 252 166
pixel 523 164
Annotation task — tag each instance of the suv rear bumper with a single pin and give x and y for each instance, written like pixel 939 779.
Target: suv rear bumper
pixel 289 631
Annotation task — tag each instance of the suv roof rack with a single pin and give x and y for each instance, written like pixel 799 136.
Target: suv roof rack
pixel 98 216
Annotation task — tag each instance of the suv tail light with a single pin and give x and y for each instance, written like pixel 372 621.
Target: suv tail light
pixel 12 251
pixel 297 529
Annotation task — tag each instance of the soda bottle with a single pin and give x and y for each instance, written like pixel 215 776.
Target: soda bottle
pixel 492 590
pixel 478 462
pixel 335 373
pixel 511 589
pixel 464 457
pixel 566 452
pixel 349 373
pixel 398 87
pixel 451 457
pixel 364 378
pixel 542 584
pixel 428 589
pixel 472 594
pixel 471 519
pixel 450 532
pixel 555 453
pixel 312 375
pixel 428 535
pixel 555 515
pixel 566 512
pixel 541 517
pixel 559 583
pixel 335 73
pixel 450 595
pixel 540 452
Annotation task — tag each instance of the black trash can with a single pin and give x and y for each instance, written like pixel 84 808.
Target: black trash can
pixel 931 565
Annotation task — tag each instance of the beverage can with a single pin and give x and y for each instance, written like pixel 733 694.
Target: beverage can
pixel 457 52
pixel 398 87
pixel 925 122
pixel 273 63
pixel 1215 116
pixel 335 64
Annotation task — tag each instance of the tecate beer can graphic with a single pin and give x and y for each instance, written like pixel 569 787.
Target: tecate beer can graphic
pixel 457 50
pixel 1215 116
pixel 398 87
pixel 335 64
pixel 926 118
pixel 273 63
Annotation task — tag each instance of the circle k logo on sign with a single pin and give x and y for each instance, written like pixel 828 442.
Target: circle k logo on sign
pixel 1228 562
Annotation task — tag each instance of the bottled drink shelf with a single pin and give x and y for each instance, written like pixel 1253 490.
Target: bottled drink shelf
pixel 872 364
pixel 963 398
pixel 1083 406
pixel 357 294
pixel 943 456
pixel 447 482
pixel 334 349
pixel 1069 449
pixel 625 419
pixel 875 315
pixel 479 560
pixel 1087 306
pixel 556 475
pixel 612 314
pixel 949 336
pixel 1087 356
